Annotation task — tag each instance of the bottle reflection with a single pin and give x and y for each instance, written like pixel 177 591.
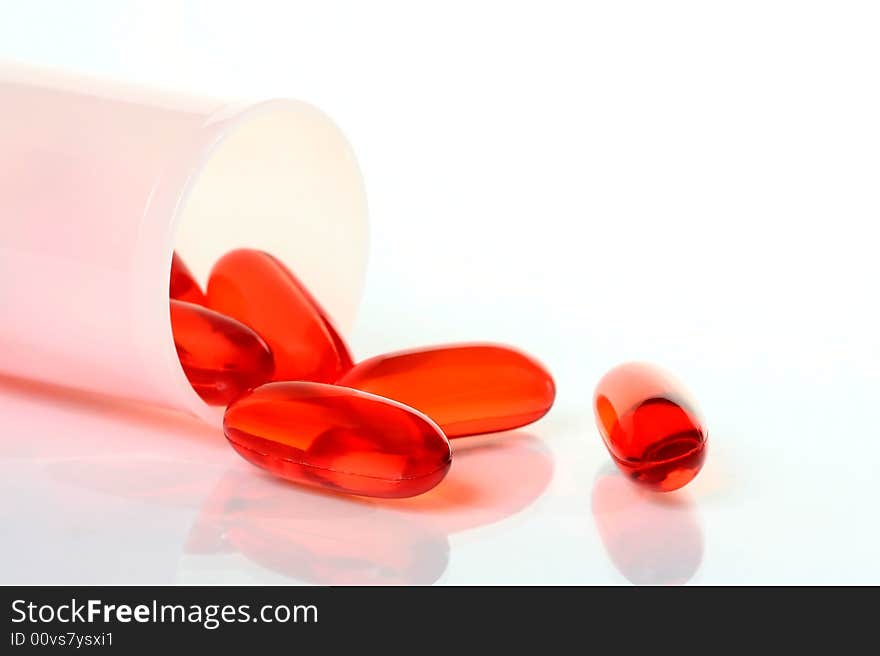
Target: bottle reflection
pixel 324 538
pixel 173 484
pixel 50 422
pixel 651 538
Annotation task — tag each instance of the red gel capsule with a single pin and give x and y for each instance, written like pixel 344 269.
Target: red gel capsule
pixel 221 357
pixel 338 438
pixel 651 427
pixel 467 388
pixel 255 288
pixel 183 285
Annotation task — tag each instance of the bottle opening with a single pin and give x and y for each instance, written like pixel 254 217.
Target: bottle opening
pixel 280 177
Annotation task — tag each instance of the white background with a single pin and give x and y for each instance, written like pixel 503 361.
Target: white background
pixel 690 183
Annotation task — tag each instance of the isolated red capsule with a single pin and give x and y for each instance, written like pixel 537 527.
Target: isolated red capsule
pixel 183 285
pixel 221 357
pixel 338 438
pixel 255 288
pixel 466 388
pixel 650 425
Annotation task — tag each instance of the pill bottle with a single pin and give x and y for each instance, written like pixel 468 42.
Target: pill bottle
pixel 101 182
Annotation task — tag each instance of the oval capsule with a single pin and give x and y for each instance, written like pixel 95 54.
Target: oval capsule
pixel 466 388
pixel 338 438
pixel 651 427
pixel 255 288
pixel 221 357
pixel 183 285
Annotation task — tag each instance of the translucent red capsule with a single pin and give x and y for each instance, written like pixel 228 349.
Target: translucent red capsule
pixel 183 285
pixel 221 357
pixel 650 425
pixel 338 438
pixel 467 388
pixel 255 288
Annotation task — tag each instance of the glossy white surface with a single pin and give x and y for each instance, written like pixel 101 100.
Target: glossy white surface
pixel 690 185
